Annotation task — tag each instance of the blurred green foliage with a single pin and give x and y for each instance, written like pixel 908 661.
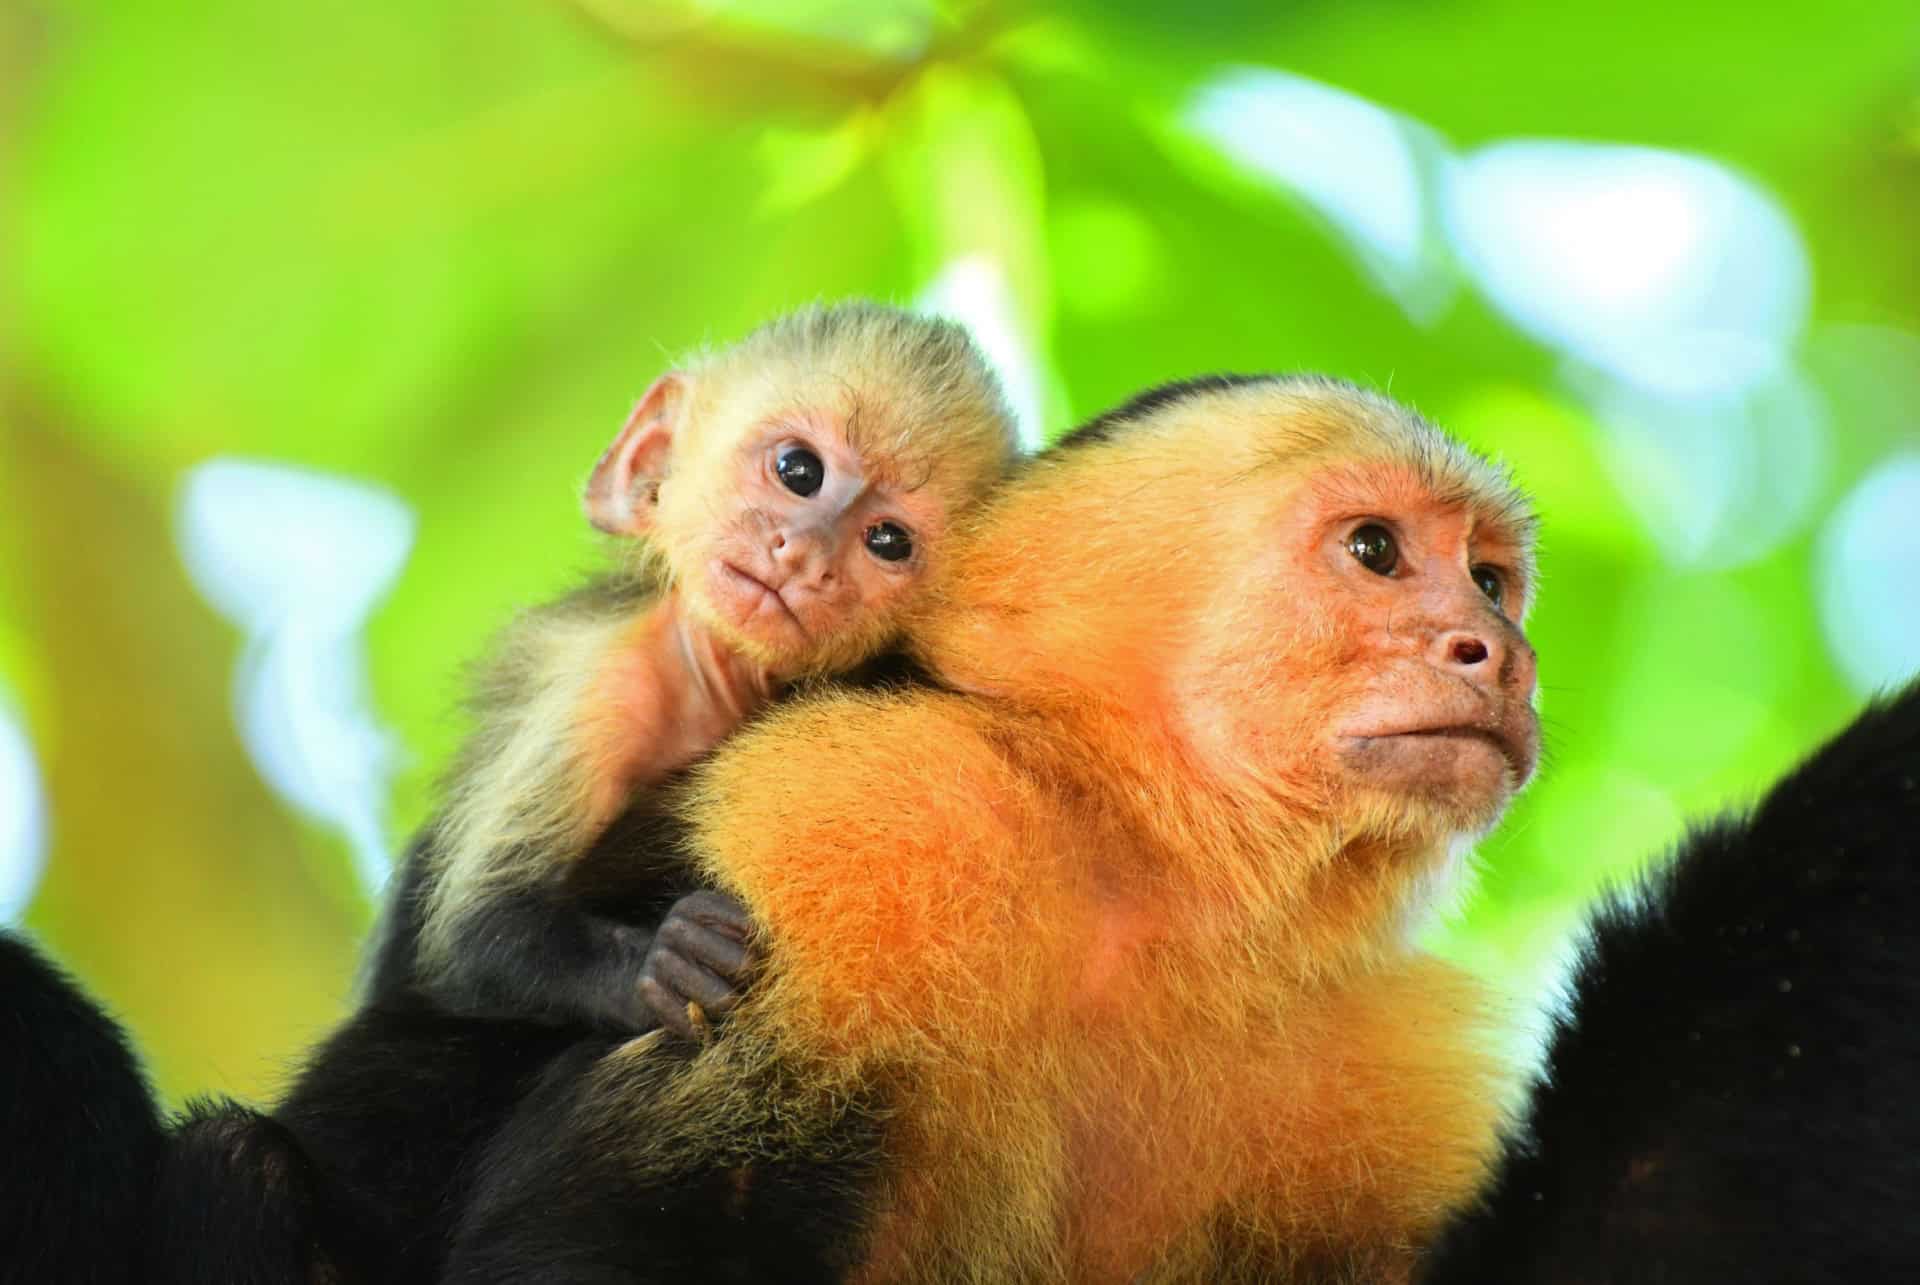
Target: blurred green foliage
pixel 440 247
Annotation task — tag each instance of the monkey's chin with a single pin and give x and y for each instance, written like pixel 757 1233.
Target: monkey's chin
pixel 770 634
pixel 1466 775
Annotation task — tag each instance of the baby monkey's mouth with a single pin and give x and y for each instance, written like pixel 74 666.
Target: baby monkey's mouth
pixel 754 593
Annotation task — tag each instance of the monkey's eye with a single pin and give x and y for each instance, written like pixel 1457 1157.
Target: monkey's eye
pixel 1490 583
pixel 800 470
pixel 889 542
pixel 1372 547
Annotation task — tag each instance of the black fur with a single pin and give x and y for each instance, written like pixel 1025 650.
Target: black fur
pixel 388 1116
pixel 573 946
pixel 1107 426
pixel 392 1110
pixel 80 1140
pixel 571 1192
pixel 236 1202
pixel 390 1113
pixel 1733 1094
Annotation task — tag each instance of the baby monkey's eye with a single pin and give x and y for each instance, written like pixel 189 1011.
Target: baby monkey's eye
pixel 889 542
pixel 801 470
pixel 1488 578
pixel 1372 547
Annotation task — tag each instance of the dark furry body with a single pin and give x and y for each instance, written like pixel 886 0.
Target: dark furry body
pixel 363 1170
pixel 1733 1095
pixel 357 1176
pixel 388 1116
pixel 78 1126
pixel 567 1194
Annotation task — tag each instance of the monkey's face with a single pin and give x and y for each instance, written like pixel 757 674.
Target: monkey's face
pixel 811 547
pixel 1373 655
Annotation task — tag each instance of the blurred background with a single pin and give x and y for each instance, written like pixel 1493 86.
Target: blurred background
pixel 313 319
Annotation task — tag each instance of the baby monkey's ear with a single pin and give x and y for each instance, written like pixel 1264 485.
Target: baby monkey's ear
pixel 625 484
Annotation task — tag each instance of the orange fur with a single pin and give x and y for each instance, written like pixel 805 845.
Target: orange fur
pixel 1133 947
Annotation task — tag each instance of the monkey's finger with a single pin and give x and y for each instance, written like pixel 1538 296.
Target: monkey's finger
pixel 716 951
pixel 694 982
pixel 669 1009
pixel 716 910
pixel 713 948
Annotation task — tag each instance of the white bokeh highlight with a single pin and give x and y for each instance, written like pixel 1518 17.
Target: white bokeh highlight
pixel 1363 168
pixel 1669 272
pixel 23 819
pixel 1678 293
pixel 973 291
pixel 1868 568
pixel 298 560
pixel 1717 481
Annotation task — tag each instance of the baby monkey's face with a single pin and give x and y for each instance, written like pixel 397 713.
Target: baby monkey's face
pixel 816 543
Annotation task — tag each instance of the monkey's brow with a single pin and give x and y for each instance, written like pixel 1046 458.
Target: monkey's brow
pixel 900 471
pixel 1361 491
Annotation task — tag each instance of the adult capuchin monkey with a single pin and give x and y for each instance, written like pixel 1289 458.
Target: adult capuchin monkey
pixel 793 492
pixel 1090 961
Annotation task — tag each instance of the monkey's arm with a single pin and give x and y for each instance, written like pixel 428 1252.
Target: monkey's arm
pixel 536 895
pixel 623 937
pixel 1730 1096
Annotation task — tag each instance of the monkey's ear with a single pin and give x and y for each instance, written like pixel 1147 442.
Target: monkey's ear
pixel 625 483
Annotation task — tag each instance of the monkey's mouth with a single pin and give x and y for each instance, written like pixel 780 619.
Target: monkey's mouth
pixel 1447 740
pixel 753 594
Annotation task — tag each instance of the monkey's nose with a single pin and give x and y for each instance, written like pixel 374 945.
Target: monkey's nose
pixel 1486 658
pixel 788 551
pixel 1477 655
pixel 800 557
pixel 1468 651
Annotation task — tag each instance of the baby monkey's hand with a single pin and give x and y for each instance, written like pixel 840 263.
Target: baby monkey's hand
pixel 697 963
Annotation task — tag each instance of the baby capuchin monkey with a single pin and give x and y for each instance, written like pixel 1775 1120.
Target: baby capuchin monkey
pixel 789 495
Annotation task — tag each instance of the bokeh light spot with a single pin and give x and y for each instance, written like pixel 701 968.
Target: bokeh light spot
pixel 1720 480
pixel 1669 272
pixel 23 820
pixel 884 28
pixel 1869 577
pixel 972 290
pixel 1362 167
pixel 298 560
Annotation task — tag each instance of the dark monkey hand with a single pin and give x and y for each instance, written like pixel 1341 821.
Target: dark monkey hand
pixel 699 958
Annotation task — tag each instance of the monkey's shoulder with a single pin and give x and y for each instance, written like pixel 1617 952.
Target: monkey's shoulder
pixel 915 781
pixel 854 748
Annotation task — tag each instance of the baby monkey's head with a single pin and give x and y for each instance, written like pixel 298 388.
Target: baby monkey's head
pixel 798 484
